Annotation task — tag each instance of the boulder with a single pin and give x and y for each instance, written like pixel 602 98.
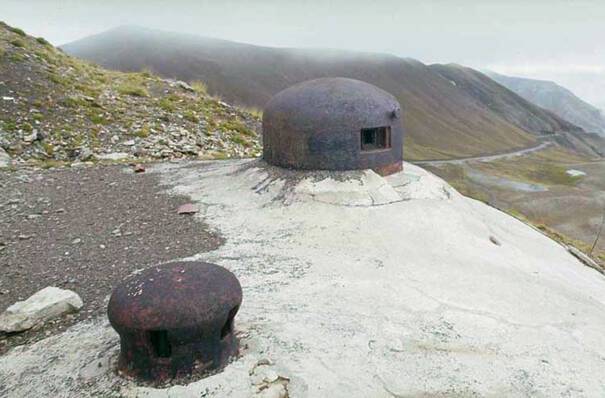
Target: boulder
pixel 44 305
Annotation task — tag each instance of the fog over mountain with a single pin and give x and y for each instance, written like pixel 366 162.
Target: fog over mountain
pixel 545 39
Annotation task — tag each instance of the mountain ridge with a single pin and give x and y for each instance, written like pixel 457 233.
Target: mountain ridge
pixel 442 121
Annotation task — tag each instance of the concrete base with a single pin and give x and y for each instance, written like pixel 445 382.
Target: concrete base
pixel 357 285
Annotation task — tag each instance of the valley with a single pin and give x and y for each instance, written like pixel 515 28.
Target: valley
pixel 538 189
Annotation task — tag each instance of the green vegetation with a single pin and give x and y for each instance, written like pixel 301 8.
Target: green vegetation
pixel 18 31
pixel 18 42
pixel 167 104
pixel 191 116
pixel 17 57
pixel 9 125
pixel 200 87
pixel 146 72
pixel 97 118
pixel 48 148
pixel 131 88
pixel 241 141
pixel 546 167
pixel 42 41
pixel 235 125
pixel 143 132
pixel 256 112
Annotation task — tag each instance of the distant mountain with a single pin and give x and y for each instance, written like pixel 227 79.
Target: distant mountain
pixel 557 99
pixel 441 118
pixel 505 103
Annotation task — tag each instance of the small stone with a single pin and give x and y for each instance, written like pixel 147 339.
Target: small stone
pixel 33 216
pixel 25 237
pixel 76 241
pixel 185 86
pixel 128 143
pixel 85 154
pixel 60 211
pixel 30 138
pixel 102 246
pixel 139 168
pixel 188 208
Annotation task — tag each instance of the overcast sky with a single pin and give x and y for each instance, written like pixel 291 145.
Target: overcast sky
pixel 561 40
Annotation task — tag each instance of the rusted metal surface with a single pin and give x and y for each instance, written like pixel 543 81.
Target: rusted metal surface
pixel 317 125
pixel 174 319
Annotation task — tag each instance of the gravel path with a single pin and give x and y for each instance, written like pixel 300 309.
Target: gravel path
pixel 85 229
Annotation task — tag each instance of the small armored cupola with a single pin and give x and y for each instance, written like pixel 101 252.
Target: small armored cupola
pixel 175 319
pixel 334 124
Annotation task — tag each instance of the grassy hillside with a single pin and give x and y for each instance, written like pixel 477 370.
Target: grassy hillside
pixel 442 120
pixel 57 108
pixel 505 103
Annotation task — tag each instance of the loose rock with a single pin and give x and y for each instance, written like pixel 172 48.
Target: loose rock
pixel 5 159
pixel 44 305
pixel 188 208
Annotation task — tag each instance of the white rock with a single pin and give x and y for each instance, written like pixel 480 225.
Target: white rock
pixel 575 173
pixel 46 304
pixel 113 156
pixel 185 86
pixel 5 159
pixel 85 154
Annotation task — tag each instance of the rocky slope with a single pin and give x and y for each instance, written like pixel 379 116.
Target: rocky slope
pixel 56 108
pixel 557 99
pixel 441 119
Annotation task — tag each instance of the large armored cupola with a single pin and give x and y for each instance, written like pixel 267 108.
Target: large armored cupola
pixel 334 124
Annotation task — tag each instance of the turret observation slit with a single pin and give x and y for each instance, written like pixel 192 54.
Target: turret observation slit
pixel 377 138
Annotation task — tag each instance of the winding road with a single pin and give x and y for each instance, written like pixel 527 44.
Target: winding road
pixel 488 158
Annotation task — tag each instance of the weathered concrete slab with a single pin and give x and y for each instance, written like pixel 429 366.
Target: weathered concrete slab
pixel 408 298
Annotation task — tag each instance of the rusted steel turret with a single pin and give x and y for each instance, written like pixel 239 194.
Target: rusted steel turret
pixel 334 124
pixel 175 318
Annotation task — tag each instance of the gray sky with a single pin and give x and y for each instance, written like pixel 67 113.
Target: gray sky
pixel 561 40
